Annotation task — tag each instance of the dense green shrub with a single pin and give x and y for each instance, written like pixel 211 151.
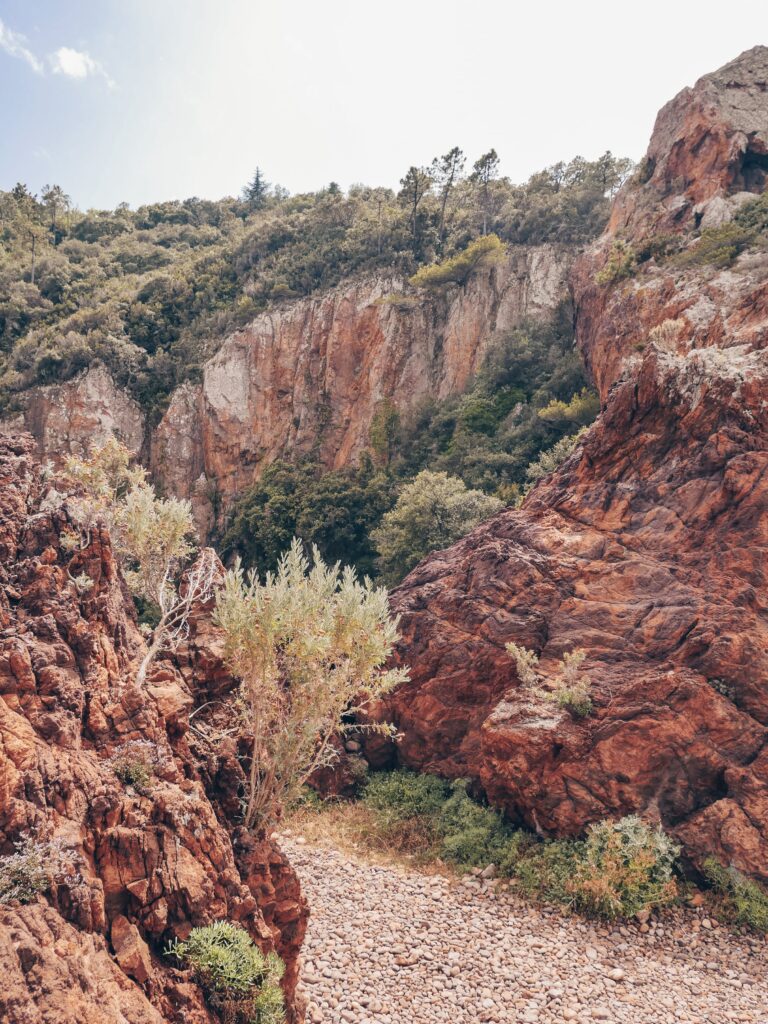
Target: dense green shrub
pixel 474 835
pixel 432 512
pixel 238 979
pixel 717 247
pixel 740 899
pixel 481 253
pixel 335 511
pixel 623 867
pixel 403 794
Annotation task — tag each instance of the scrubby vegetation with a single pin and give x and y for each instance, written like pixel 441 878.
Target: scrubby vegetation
pixel 619 869
pixel 738 899
pixel 621 263
pixel 240 982
pixel 518 419
pixel 334 511
pixel 152 537
pixel 432 512
pixel 149 292
pixel 134 765
pixel 308 644
pixel 570 689
pixel 28 871
pixel 483 252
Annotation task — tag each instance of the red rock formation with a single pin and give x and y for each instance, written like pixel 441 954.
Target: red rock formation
pixel 68 418
pixel 135 869
pixel 317 369
pixel 647 548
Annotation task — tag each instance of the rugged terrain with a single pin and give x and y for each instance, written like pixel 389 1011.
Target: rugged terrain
pixel 131 869
pixel 308 376
pixel 647 548
pixel 387 945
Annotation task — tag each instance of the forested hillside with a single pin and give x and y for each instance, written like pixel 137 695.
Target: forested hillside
pixel 150 292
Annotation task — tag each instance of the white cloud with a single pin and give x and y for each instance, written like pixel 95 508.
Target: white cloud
pixel 65 61
pixel 77 64
pixel 14 45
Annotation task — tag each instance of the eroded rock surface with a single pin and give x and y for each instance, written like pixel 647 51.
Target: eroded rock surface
pixel 69 418
pixel 647 548
pixel 311 375
pixel 135 868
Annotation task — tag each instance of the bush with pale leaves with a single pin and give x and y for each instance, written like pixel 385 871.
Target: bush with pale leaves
pixel 152 537
pixel 308 644
pixel 571 689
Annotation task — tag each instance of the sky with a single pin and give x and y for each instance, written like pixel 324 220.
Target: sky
pixel 144 100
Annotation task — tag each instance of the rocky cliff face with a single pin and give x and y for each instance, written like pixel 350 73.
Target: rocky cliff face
pixel 68 418
pixel 132 869
pixel 307 376
pixel 647 548
pixel 310 376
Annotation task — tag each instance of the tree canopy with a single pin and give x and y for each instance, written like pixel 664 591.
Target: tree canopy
pixel 151 292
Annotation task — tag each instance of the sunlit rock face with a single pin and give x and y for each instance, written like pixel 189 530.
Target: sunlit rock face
pixel 647 547
pixel 310 375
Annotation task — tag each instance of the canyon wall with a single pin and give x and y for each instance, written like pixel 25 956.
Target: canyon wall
pixel 131 868
pixel 305 377
pixel 310 375
pixel 647 548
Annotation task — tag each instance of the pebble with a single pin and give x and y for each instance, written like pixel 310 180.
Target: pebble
pixel 387 945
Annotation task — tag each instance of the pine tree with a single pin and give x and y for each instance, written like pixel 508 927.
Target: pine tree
pixel 256 191
pixel 484 172
pixel 446 171
pixel 414 186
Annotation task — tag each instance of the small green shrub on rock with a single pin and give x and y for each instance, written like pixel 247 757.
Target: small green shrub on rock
pixel 240 981
pixel 483 251
pixel 740 899
pixel 717 247
pixel 548 461
pixel 571 689
pixel 134 765
pixel 621 263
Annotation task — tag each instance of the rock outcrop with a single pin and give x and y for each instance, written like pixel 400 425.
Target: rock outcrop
pixel 132 868
pixel 68 418
pixel 647 548
pixel 311 374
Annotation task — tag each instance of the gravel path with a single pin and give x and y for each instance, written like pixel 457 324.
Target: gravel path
pixel 386 946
